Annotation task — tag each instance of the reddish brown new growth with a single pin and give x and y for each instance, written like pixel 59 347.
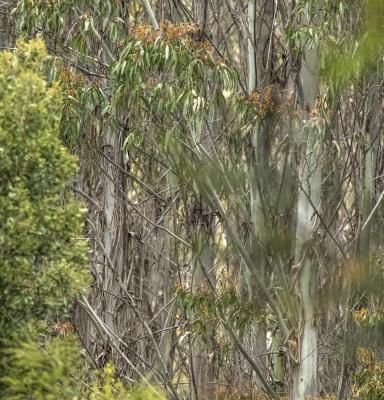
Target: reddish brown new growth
pixel 269 100
pixel 144 33
pixel 71 81
pixel 189 32
pixel 263 100
pixel 173 32
pixel 63 328
pixel 168 31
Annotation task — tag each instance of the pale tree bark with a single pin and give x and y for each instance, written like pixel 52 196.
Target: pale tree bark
pixel 305 373
pixel 151 14
pixel 113 229
pixel 201 13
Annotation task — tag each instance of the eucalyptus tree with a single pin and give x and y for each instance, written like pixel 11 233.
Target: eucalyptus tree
pixel 305 377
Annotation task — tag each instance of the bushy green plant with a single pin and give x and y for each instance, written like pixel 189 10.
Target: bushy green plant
pixel 42 253
pixel 43 256
pixel 51 369
pixel 107 387
pixel 42 369
pixel 369 380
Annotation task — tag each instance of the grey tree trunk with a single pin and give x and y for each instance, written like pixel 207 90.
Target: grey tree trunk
pixel 260 26
pixel 305 373
pixel 202 355
pixel 202 368
pixel 166 252
pixel 113 232
pixel 7 25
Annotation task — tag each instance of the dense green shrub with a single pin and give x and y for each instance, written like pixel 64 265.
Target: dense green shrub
pixel 369 380
pixel 106 387
pixel 44 369
pixel 43 256
pixel 42 253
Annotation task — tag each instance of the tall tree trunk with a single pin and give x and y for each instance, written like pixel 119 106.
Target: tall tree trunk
pixel 202 369
pixel 305 373
pixel 167 252
pixel 366 204
pixel 203 357
pixel 113 230
pixel 260 26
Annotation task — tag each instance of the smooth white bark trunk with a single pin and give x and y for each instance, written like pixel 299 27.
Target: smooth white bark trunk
pixel 305 373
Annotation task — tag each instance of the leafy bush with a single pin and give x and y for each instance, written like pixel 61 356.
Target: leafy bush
pixel 43 257
pixel 107 387
pixel 42 371
pixel 369 381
